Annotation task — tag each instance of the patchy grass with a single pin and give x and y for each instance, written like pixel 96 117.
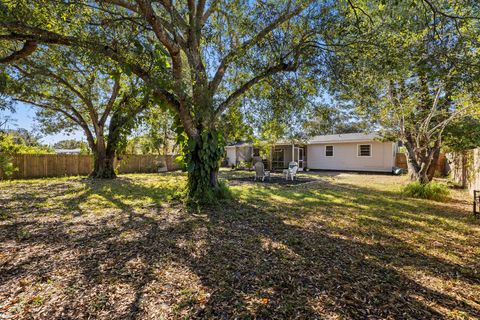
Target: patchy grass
pixel 338 246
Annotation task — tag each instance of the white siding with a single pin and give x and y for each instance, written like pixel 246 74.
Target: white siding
pixel 345 157
pixel 244 153
pixel 231 155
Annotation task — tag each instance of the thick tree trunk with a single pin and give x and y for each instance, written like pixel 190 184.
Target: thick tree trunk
pixel 420 166
pixel 103 167
pixel 104 153
pixel 419 175
pixel 104 157
pixel 203 155
pixel 165 146
pixel 433 164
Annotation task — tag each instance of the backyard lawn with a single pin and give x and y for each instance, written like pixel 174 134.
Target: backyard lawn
pixel 331 246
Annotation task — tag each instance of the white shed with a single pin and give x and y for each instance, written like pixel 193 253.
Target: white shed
pixel 239 152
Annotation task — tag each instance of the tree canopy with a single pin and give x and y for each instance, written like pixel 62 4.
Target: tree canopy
pixel 198 57
pixel 72 91
pixel 416 70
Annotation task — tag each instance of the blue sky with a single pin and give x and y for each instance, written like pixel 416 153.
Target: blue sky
pixel 24 117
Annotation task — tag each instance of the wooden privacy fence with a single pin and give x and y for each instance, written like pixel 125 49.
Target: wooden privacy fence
pixel 401 162
pixel 59 165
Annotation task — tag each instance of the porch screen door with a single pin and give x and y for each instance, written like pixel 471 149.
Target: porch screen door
pixel 298 156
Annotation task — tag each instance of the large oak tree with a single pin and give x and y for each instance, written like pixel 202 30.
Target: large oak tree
pixel 199 56
pixel 72 91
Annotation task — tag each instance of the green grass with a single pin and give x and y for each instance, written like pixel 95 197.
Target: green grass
pixel 341 246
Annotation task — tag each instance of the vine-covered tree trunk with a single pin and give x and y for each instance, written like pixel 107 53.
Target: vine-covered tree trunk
pixel 202 155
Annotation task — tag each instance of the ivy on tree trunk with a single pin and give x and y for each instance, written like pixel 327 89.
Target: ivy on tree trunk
pixel 202 155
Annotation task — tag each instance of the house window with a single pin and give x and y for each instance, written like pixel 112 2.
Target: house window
pixel 329 151
pixel 364 150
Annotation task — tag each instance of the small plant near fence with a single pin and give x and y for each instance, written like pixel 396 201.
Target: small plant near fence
pixel 6 166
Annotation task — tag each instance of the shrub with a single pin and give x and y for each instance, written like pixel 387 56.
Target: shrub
pixel 6 166
pixel 432 191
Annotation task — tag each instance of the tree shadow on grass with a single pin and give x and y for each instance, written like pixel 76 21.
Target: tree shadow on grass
pixel 302 273
pixel 244 260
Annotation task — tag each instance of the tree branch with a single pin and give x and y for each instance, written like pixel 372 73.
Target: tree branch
pixel 167 4
pixel 69 86
pixel 121 3
pixel 354 8
pixel 199 13
pixel 283 67
pixel 22 32
pixel 433 109
pixel 28 48
pixel 442 13
pixel 235 52
pixel 111 101
pixel 148 13
pixel 211 9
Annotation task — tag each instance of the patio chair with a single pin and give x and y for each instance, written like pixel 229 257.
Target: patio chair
pixel 291 172
pixel 260 172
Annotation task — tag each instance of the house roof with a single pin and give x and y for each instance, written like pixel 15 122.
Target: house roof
pixel 330 138
pixel 70 151
pixel 240 144
pixel 343 138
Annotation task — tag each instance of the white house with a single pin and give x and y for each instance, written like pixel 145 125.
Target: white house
pixel 351 151
pixel 347 152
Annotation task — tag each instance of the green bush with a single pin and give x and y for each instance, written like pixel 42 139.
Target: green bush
pixel 432 191
pixel 6 166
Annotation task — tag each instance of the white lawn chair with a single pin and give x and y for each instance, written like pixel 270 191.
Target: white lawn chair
pixel 291 172
pixel 260 172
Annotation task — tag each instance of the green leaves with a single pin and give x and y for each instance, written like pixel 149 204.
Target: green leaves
pixel 462 134
pixel 201 157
